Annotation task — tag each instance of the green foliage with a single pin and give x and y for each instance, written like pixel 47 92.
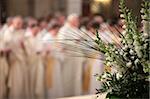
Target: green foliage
pixel 131 60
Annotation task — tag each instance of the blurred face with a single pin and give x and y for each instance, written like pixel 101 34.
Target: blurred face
pixel 9 21
pixel 43 24
pixel 54 31
pixel 99 19
pixel 35 30
pixel 62 20
pixel 75 22
pixel 31 22
pixel 18 23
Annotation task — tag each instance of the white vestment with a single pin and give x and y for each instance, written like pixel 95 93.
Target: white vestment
pixel 35 68
pixel 71 66
pixel 53 68
pixel 3 76
pixel 93 65
pixel 17 67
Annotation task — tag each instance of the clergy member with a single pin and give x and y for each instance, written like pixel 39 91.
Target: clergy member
pixel 13 39
pixel 34 64
pixel 69 34
pixel 53 62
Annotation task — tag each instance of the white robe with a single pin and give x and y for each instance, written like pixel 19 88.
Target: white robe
pixel 71 66
pixel 35 69
pixel 3 77
pixel 92 66
pixel 98 65
pixel 97 68
pixel 17 72
pixel 55 89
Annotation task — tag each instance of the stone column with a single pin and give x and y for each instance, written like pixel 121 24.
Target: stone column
pixel 17 7
pixel 42 7
pixel 74 6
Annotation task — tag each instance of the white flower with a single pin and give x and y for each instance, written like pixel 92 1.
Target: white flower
pixel 116 52
pixel 118 75
pixel 136 61
pixel 121 52
pixel 124 33
pixel 121 16
pixel 142 11
pixel 104 76
pixel 132 57
pixel 108 64
pixel 131 52
pixel 145 35
pixel 125 47
pixel 143 16
pixel 129 64
pixel 143 22
pixel 124 26
pixel 138 51
pixel 145 46
pixel 125 56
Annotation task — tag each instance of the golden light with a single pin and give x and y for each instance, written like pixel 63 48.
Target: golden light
pixel 103 1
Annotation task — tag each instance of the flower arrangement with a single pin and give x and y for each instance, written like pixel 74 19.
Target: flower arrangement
pixel 130 59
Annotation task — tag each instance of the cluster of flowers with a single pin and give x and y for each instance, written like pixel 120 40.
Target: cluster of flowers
pixel 130 59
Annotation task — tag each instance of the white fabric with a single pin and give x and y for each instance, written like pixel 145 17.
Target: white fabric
pixel 106 36
pixel 97 68
pixel 71 66
pixel 56 90
pixel 35 68
pixel 17 72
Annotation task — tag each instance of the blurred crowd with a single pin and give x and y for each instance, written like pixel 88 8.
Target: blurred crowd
pixel 34 59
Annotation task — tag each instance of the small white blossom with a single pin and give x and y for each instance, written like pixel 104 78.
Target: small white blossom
pixel 143 16
pixel 104 76
pixel 116 52
pixel 124 26
pixel 124 33
pixel 145 46
pixel 138 51
pixel 131 52
pixel 121 52
pixel 125 47
pixel 129 64
pixel 132 57
pixel 145 34
pixel 142 11
pixel 136 61
pixel 121 16
pixel 118 75
pixel 108 63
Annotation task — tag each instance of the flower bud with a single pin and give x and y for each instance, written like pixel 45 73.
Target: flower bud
pixel 121 16
pixel 129 64
pixel 116 52
pixel 142 11
pixel 108 63
pixel 131 52
pixel 124 26
pixel 136 61
pixel 132 57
